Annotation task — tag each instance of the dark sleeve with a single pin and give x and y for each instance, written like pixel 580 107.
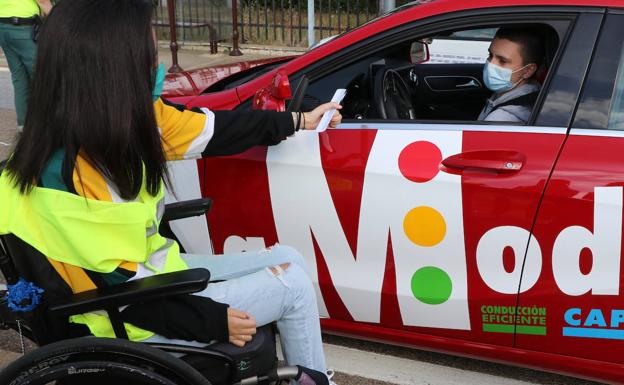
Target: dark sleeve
pixel 186 317
pixel 237 131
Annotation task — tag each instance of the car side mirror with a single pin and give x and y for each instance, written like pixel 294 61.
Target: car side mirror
pixel 280 87
pixel 273 97
pixel 419 52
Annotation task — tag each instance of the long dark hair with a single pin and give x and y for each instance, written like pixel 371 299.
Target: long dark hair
pixel 91 93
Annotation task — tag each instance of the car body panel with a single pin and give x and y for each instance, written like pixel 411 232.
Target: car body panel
pixel 578 233
pixel 441 235
pixel 579 226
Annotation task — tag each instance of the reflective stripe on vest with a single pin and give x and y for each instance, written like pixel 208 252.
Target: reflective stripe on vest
pixel 94 235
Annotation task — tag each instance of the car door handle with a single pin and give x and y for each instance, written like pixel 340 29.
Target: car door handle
pixel 499 161
pixel 471 84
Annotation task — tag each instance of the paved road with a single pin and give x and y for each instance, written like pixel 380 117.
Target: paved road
pixel 358 362
pixel 7 112
pixel 6 90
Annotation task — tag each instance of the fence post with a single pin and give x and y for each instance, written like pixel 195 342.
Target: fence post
pixel 386 6
pixel 235 51
pixel 173 45
pixel 311 23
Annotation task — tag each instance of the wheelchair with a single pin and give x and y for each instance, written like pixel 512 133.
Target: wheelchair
pixel 68 355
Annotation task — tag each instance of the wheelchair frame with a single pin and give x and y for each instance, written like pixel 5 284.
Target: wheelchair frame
pixel 70 361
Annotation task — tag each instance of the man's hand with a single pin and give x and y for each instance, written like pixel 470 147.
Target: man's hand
pixel 241 326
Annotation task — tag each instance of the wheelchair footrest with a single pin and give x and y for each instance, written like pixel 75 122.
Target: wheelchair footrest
pixel 257 357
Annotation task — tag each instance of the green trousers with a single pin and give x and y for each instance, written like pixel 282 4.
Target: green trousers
pixel 19 50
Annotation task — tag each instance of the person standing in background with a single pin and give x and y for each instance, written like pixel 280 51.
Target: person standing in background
pixel 18 19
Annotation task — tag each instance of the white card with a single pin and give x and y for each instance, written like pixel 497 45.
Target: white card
pixel 338 96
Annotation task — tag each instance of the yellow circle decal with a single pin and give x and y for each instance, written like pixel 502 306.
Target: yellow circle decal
pixel 424 226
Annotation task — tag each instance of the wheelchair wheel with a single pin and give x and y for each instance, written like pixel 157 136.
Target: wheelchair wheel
pixel 99 361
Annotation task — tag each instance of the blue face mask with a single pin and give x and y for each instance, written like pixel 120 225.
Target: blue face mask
pixel 497 78
pixel 159 80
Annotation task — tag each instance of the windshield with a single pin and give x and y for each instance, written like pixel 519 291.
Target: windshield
pixel 242 77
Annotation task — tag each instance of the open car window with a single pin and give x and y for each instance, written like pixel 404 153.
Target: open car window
pixel 447 87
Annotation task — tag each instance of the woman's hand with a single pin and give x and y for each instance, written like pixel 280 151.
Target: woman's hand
pixel 311 119
pixel 241 326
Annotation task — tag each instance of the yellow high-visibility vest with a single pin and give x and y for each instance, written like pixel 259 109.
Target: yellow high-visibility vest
pixel 18 8
pixel 91 234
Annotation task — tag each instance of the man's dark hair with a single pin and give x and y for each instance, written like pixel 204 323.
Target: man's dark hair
pixel 92 93
pixel 531 46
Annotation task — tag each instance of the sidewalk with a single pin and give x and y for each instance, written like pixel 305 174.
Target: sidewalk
pixel 192 56
pixel 7 357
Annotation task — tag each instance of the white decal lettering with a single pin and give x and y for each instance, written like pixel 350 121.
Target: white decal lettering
pixel 490 259
pixel 604 243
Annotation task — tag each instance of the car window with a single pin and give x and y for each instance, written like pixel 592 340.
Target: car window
pixel 601 102
pixel 616 115
pixel 389 84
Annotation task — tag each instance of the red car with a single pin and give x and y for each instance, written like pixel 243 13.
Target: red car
pixel 424 227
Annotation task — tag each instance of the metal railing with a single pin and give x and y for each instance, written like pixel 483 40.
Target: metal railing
pixel 196 20
pixel 269 22
pixel 285 22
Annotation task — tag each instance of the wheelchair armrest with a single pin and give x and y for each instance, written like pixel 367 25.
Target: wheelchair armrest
pixel 185 209
pixel 140 290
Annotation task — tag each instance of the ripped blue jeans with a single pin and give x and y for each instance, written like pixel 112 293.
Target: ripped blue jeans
pixel 287 298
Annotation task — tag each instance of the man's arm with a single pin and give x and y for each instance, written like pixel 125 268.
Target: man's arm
pixel 45 6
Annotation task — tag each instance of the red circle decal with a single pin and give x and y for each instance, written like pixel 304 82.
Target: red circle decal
pixel 420 161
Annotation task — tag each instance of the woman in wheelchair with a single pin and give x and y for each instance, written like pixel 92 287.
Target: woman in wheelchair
pixel 84 187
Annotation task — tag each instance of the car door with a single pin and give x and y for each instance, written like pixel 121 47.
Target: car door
pixel 416 226
pixel 579 226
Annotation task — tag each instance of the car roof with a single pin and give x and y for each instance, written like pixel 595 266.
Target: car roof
pixel 426 8
pixel 431 7
pixel 419 10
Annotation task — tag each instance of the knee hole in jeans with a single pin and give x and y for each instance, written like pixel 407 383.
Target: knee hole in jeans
pixel 276 272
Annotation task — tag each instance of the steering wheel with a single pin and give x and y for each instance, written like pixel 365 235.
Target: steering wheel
pixel 392 96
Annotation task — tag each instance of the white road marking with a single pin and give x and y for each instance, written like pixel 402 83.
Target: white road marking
pixel 5 144
pixel 4 69
pixel 403 371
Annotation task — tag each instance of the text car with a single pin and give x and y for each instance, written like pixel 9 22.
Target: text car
pixel 425 227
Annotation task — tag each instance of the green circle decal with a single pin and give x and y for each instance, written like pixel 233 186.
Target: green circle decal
pixel 431 285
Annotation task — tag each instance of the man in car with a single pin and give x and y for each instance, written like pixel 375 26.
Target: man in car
pixel 515 56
